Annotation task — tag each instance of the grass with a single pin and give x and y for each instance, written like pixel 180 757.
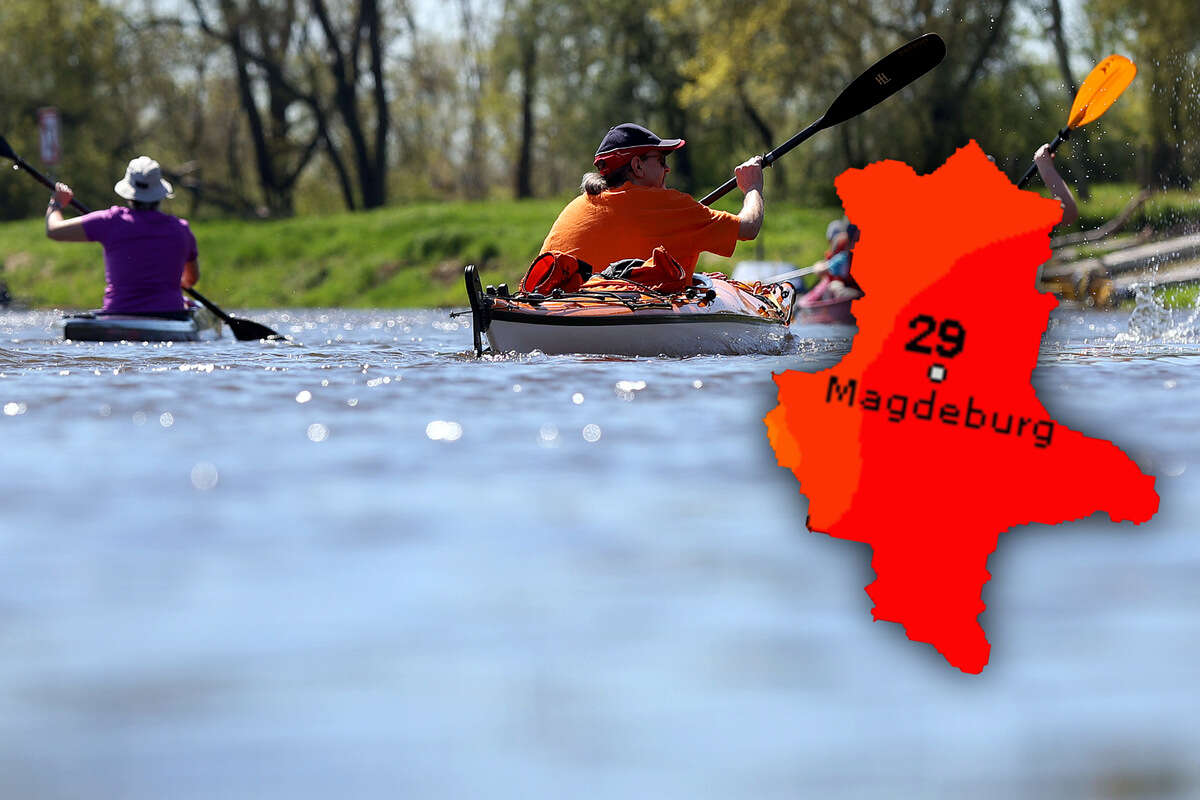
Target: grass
pixel 1181 296
pixel 1173 211
pixel 413 255
pixel 1164 211
pixel 400 257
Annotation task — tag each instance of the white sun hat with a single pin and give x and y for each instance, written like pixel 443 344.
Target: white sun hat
pixel 144 182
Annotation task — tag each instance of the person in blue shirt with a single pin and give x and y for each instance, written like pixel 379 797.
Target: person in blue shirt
pixel 842 236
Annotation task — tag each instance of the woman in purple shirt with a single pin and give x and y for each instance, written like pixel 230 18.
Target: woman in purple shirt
pixel 148 255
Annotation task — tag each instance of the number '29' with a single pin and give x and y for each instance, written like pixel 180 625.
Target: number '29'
pixel 950 331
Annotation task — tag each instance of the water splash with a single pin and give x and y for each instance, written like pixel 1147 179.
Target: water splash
pixel 1151 321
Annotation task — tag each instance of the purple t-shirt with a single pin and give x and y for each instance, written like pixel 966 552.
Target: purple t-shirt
pixel 144 254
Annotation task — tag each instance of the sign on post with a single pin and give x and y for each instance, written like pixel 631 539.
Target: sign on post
pixel 48 128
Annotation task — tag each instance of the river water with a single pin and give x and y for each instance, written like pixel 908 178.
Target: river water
pixel 365 564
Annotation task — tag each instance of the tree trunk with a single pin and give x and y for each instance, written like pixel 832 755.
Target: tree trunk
pixel 523 177
pixel 1166 155
pixel 765 135
pixel 473 180
pixel 1079 144
pixel 276 198
pixel 379 100
pixel 677 128
pixel 344 73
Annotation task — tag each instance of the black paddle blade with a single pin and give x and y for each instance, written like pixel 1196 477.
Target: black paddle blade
pixel 6 150
pixel 887 76
pixel 245 330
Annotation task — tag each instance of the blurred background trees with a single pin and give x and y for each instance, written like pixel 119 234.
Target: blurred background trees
pixel 276 107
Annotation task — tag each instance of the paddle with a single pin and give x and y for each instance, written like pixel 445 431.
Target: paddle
pixel 243 329
pixel 883 79
pixel 7 152
pixel 796 273
pixel 1099 91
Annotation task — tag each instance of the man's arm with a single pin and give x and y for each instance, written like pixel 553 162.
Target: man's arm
pixel 191 274
pixel 750 181
pixel 58 228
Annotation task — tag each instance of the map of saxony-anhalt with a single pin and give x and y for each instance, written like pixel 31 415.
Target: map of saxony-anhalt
pixel 927 440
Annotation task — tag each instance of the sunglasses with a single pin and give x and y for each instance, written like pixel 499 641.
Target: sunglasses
pixel 662 157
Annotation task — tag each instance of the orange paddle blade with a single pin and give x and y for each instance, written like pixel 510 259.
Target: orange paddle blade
pixel 1101 89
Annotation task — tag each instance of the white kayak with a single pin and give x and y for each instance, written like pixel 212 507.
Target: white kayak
pixel 715 316
pixel 198 324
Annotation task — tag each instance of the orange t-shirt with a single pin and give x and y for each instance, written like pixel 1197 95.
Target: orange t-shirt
pixel 630 221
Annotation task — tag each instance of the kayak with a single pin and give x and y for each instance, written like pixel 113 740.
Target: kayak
pixel 197 324
pixel 824 306
pixel 714 316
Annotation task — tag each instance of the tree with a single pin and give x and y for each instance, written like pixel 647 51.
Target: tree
pixel 256 33
pixel 741 82
pixel 573 70
pixel 977 34
pixel 769 68
pixel 1164 39
pixel 285 55
pixel 1056 30
pixel 475 78
pixel 66 55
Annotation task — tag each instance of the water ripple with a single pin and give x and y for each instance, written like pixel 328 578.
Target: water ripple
pixel 558 569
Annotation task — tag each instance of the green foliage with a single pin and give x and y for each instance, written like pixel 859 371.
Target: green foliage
pixel 1163 37
pixel 733 78
pixel 65 55
pixel 413 255
pixel 1184 296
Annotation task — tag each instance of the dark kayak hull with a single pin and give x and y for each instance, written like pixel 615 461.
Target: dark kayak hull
pixel 201 325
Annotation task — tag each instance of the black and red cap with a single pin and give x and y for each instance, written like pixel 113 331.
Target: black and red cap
pixel 624 141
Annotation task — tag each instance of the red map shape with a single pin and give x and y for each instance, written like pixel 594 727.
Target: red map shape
pixel 932 486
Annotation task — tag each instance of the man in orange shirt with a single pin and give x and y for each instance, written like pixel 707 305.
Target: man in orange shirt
pixel 624 211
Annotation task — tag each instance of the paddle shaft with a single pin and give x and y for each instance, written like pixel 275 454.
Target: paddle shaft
pixel 210 305
pixel 1063 135
pixel 796 273
pixel 39 177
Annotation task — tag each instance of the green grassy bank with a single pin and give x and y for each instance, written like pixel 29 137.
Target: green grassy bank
pixel 412 256
pixel 405 256
pixel 1163 211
